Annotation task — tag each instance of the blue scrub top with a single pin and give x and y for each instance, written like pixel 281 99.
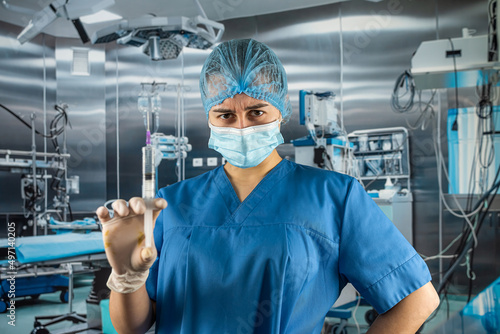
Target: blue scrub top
pixel 276 262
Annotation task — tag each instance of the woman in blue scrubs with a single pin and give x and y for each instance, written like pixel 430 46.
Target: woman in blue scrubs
pixel 261 244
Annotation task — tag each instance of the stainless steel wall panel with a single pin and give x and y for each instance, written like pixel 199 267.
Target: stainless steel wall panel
pixel 112 86
pixel 86 139
pixel 27 85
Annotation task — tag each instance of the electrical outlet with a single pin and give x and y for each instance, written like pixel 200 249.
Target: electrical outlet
pixel 211 162
pixel 198 162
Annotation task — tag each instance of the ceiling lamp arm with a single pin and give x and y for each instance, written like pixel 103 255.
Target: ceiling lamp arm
pixel 204 15
pixel 81 30
pixel 18 9
pixel 68 9
pixel 210 25
pixel 200 8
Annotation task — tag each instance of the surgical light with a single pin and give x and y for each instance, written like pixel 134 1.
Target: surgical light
pixel 162 37
pixel 154 48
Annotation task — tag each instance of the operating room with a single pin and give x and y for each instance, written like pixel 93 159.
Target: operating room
pixel 400 95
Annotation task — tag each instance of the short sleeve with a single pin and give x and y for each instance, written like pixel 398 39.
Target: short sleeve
pixel 152 281
pixel 374 256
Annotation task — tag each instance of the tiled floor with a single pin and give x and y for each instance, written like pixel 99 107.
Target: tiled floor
pixel 46 304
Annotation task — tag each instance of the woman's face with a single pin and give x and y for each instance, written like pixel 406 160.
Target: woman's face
pixel 242 111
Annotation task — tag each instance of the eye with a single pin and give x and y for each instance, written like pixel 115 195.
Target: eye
pixel 256 113
pixel 225 116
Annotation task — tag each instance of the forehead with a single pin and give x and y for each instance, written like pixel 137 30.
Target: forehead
pixel 240 100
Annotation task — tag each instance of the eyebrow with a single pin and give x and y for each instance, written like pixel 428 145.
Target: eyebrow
pixel 227 110
pixel 224 110
pixel 257 106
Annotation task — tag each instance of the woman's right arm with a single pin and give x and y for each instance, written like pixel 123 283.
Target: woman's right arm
pixel 132 312
pixel 131 309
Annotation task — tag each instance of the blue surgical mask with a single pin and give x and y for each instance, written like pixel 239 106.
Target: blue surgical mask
pixel 245 147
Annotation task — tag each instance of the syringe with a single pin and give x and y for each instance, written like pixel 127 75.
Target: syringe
pixel 148 187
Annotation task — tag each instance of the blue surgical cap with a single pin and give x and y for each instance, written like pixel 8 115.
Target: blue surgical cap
pixel 244 66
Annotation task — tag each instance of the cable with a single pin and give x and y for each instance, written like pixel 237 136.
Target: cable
pixel 468 239
pixel 328 158
pixel 440 254
pixel 478 154
pixel 56 180
pixel 54 130
pixel 455 124
pixel 426 113
pixel 466 236
pixel 23 121
pixel 468 245
pixel 443 199
pixel 492 31
pixel 484 111
pixel 52 135
pixel 404 79
pixel 484 108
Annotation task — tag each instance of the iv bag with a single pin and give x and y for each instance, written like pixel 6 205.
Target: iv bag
pixel 143 102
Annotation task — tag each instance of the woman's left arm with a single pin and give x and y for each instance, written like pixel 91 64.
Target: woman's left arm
pixel 409 314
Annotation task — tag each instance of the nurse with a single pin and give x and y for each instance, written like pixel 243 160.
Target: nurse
pixel 261 244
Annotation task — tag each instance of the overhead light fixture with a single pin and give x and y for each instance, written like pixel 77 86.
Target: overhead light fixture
pixel 154 48
pixel 162 37
pixel 71 10
pixel 101 16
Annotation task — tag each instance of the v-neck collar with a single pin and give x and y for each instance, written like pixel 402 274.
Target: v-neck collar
pixel 238 211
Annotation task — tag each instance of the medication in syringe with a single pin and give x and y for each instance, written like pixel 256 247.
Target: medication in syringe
pixel 148 190
pixel 148 172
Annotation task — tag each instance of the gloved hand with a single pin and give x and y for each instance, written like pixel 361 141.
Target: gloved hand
pixel 124 243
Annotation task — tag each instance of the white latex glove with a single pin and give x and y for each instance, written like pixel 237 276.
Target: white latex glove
pixel 123 237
